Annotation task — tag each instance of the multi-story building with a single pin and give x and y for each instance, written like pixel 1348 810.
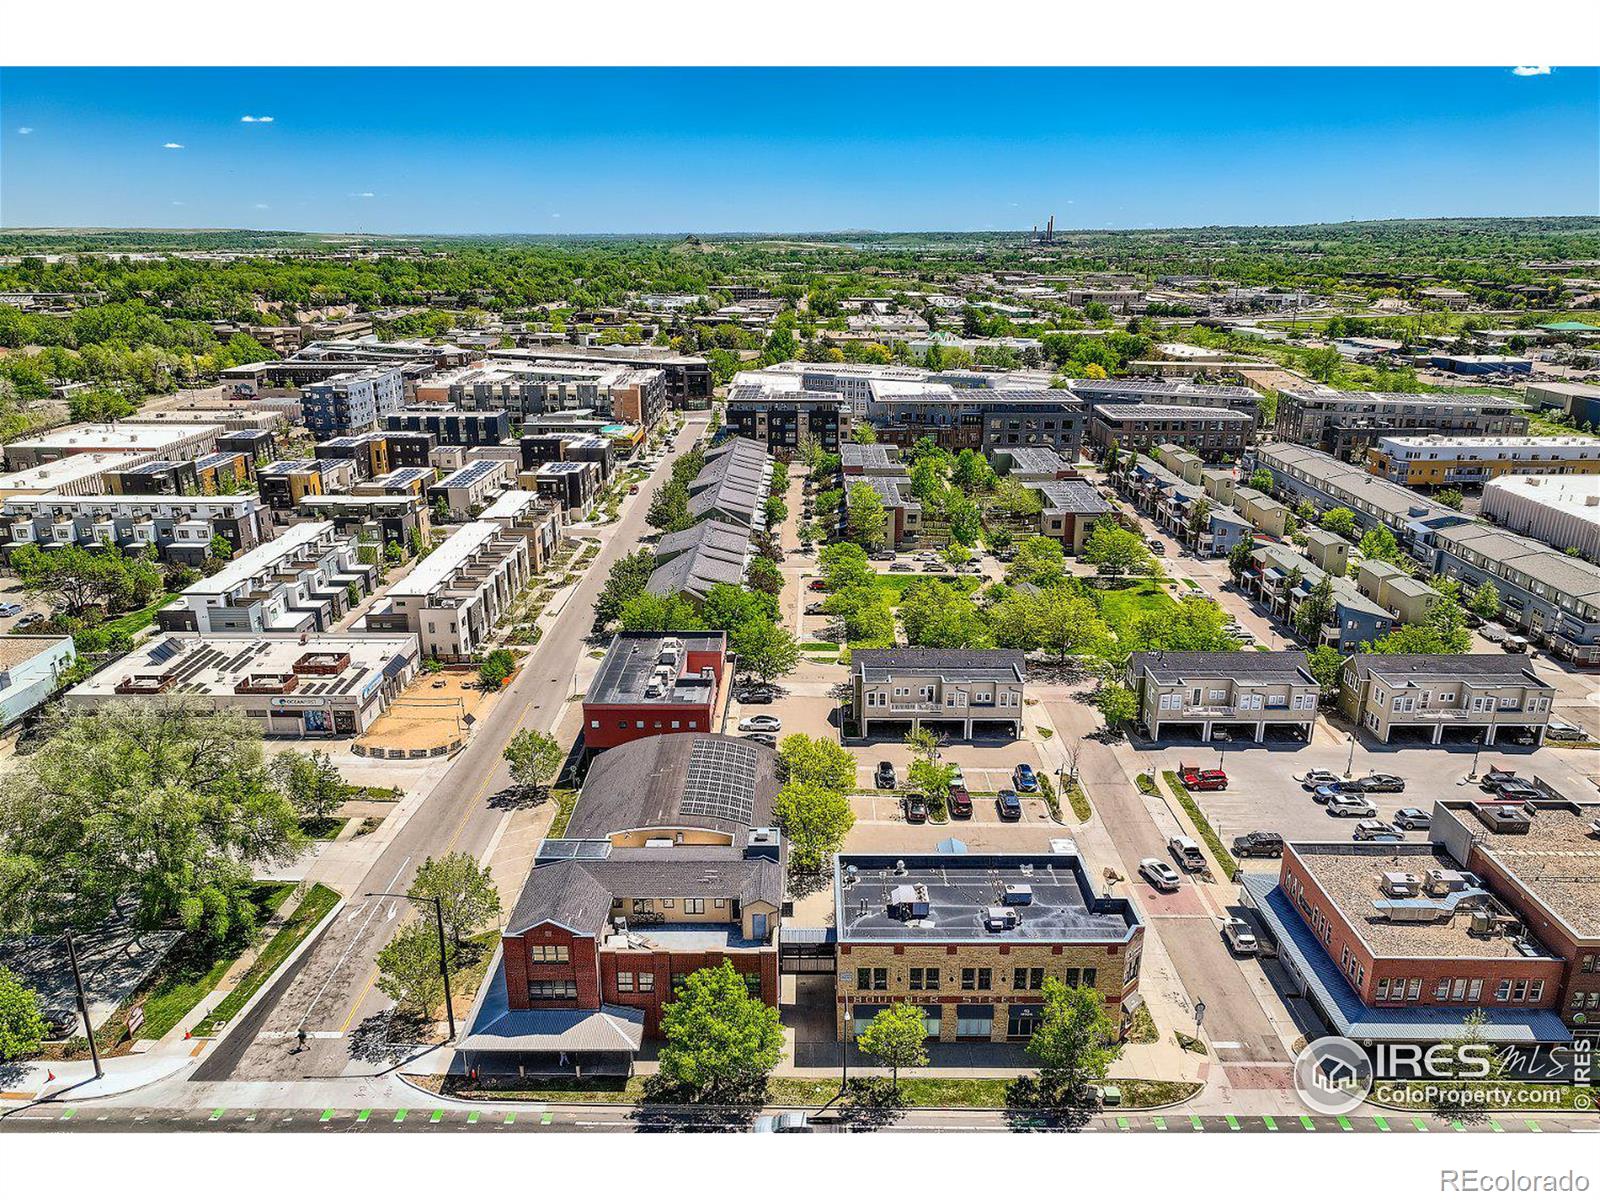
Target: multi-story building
pixel 957 692
pixel 449 427
pixel 453 599
pixel 687 377
pixel 328 685
pixel 31 667
pixel 1446 697
pixel 572 485
pixel 1408 598
pixel 971 938
pixel 654 683
pixel 354 402
pixel 874 458
pixel 257 445
pixel 302 581
pixel 538 448
pixel 177 529
pixel 530 517
pixel 1580 401
pixel 1541 858
pixel 1563 513
pixel 402 481
pixel 1098 392
pixel 668 865
pixel 1397 942
pixel 690 562
pixel 1244 693
pixel 1211 433
pixel 1033 464
pixel 469 490
pixel 1441 461
pixel 1548 594
pixel 1283 581
pixel 368 451
pixel 75 475
pixel 285 483
pixel 1070 510
pixel 160 439
pixel 733 484
pixel 1181 509
pixel 376 518
pixel 769 409
pixel 618 392
pixel 1346 424
pixel 159 477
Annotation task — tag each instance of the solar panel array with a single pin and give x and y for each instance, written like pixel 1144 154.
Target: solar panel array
pixel 573 850
pixel 721 781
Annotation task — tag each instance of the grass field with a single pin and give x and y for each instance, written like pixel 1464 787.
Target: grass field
pixel 894 584
pixel 1120 607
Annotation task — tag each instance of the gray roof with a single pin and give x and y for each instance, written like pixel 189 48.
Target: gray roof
pixel 1486 670
pixel 1032 460
pixel 959 889
pixel 1168 412
pixel 951 664
pixel 495 1026
pixel 678 779
pixel 578 894
pixel 634 656
pixel 875 454
pixel 562 892
pixel 1071 496
pixel 1244 666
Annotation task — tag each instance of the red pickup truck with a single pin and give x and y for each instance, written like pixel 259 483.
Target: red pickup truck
pixel 1197 780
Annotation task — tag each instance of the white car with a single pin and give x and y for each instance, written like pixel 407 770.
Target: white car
pixel 762 723
pixel 1158 874
pixel 1375 831
pixel 9 609
pixel 1351 806
pixel 958 777
pixel 1238 936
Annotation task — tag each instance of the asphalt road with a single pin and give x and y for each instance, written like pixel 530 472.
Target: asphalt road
pixel 331 992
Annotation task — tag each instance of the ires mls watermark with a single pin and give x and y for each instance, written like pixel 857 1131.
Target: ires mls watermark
pixel 1334 1075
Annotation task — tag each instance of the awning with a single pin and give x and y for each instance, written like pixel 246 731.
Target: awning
pixel 1353 1018
pixel 952 846
pixel 551 1030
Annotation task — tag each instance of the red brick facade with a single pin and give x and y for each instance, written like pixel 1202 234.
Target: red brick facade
pixel 607 725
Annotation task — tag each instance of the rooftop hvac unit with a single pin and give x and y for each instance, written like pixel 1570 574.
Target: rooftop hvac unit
pixel 1441 881
pixel 908 901
pixel 1018 894
pixel 996 918
pixel 1483 923
pixel 1400 883
pixel 850 876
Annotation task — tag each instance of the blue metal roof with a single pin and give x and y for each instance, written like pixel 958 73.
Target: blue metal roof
pixel 1353 1017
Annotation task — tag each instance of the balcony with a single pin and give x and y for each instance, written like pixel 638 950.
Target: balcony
pixel 916 710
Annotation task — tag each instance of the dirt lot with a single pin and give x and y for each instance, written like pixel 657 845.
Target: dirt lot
pixel 429 713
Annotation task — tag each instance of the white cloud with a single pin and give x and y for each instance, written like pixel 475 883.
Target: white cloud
pixel 1530 70
pixel 177 203
pixel 172 146
pixel 363 195
pixel 555 216
pixel 25 130
pixel 249 120
pixel 262 206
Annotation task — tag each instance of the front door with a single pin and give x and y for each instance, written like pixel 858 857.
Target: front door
pixel 758 926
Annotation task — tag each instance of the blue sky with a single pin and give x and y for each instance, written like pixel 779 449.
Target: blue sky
pixel 636 151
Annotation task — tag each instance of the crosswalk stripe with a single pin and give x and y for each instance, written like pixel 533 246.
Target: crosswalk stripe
pixel 1233 1122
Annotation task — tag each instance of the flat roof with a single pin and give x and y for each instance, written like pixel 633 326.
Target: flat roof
pixel 18 648
pixel 1167 412
pixel 111 435
pixel 446 559
pixel 630 667
pixel 259 559
pixel 957 892
pixel 1557 861
pixel 66 471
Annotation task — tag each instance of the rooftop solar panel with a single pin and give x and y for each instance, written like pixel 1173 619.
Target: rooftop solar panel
pixel 721 781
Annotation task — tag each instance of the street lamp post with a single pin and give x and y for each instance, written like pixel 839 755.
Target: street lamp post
pixel 844 1073
pixel 1350 763
pixel 444 961
pixel 83 1003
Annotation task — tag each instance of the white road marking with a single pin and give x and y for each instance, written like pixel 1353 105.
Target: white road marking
pixel 354 938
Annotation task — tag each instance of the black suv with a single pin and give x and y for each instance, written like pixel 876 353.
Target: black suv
pixel 1258 844
pixel 883 777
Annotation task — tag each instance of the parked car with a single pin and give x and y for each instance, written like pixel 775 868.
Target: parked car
pixel 1351 806
pixel 31 621
pixel 959 802
pixel 883 777
pixel 814 609
pixel 760 694
pixel 1258 844
pixel 1515 644
pixel 1494 633
pixel 766 739
pixel 1375 831
pixel 1025 779
pixel 881 555
pixel 1008 804
pixel 1238 935
pixel 1495 776
pixel 761 723
pixel 1157 545
pixel 1413 818
pixel 1517 793
pixel 1187 851
pixel 1197 780
pixel 786 1122
pixel 1159 875
pixel 818 585
pixel 1565 731
pixel 958 777
pixel 1318 778
pixel 1381 783
pixel 1348 787
pixel 916 809
pixel 1325 792
pixel 9 609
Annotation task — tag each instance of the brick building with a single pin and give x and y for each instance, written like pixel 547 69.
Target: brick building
pixel 655 683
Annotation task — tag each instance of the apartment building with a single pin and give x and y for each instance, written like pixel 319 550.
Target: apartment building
pixel 1347 424
pixel 901 508
pixel 692 561
pixel 284 484
pixel 649 684
pixel 162 439
pixel 352 402
pixel 669 864
pixel 75 475
pixel 769 409
pixel 1541 858
pixel 31 667
pixel 539 448
pixel 1244 693
pixel 961 693
pixel 303 580
pixel 971 938
pixel 1166 392
pixel 1548 594
pixel 471 489
pixel 1211 433
pixel 1397 942
pixel 449 427
pixel 1181 509
pixel 1441 461
pixel 1560 512
pixel 1438 698
pixel 637 395
pixel 1070 509
pixel 453 599
pixel 327 685
pixel 874 458
pixel 376 518
pixel 687 377
pixel 1282 581
pixel 1408 598
pixel 530 517
pixel 176 529
pixel 572 485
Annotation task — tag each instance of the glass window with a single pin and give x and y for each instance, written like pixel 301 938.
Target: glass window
pixel 554 954
pixel 624 981
pixel 647 981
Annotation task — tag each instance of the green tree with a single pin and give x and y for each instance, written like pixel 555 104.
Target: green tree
pixel 728 606
pixel 775 511
pixel 627 579
pixel 941 614
pixel 1039 561
pixel 311 783
pixel 1261 479
pixel 765 647
pixel 1074 1043
pixel 1118 704
pixel 866 520
pixel 1486 601
pixel 408 967
pixel 651 613
pixel 1068 623
pixel 1340 521
pixel 820 761
pixel 1450 498
pixel 533 758
pixel 22 1027
pixel 1120 550
pixel 721 1042
pixel 469 898
pixel 764 576
pixel 220 548
pixel 929 779
pixel 495 669
pixel 895 1037
pixel 815 819
pixel 1380 544
pixel 1326 665
pixel 1239 558
pixel 1316 611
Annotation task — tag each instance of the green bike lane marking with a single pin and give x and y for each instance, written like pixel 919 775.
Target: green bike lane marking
pixel 1161 1122
pixel 1496 1126
pixel 511 1119
pixel 472 1118
pixel 400 1115
pixel 364 1114
pixel 1122 1123
pixel 68 1115
pixel 1344 1124
pixel 1381 1123
pixel 1307 1123
pixel 546 1119
pixel 1419 1124
pixel 438 1115
pixel 327 1115
pixel 216 1113
pixel 1271 1124
pixel 1196 1124
pixel 1533 1126
pixel 1233 1122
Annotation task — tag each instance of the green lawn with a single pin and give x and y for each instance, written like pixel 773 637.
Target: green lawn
pixel 318 902
pixel 131 623
pixel 1120 607
pixel 895 583
pixel 1207 834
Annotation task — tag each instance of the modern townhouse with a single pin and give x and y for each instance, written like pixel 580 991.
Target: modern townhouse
pixel 1244 693
pixel 1181 509
pixel 1265 515
pixel 176 529
pixel 960 693
pixel 615 391
pixel 453 599
pixel 1332 553
pixel 1183 392
pixel 690 562
pixel 529 516
pixel 572 485
pixel 1211 433
pixel 733 484
pixel 1560 512
pixel 651 684
pixel 462 494
pixel 285 483
pixel 536 449
pixel 1070 509
pixel 449 427
pixel 902 510
pixel 1444 461
pixel 971 938
pixel 302 581
pixel 31 668
pixel 402 481
pixel 353 402
pixel 1442 698
pixel 1283 581
pixel 1408 598
pixel 372 518
pixel 1550 595
pixel 1347 424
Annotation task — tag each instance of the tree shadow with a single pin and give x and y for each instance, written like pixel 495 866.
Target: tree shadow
pixel 1033 1105
pixel 515 798
pixel 670 1108
pixel 384 1037
pixel 871 1104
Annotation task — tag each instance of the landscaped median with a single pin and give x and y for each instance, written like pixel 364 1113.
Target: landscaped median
pixel 317 904
pixel 1207 834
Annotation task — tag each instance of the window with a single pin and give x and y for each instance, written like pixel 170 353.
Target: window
pixel 647 981
pixel 679 978
pixel 979 979
pixel 1027 979
pixel 924 979
pixel 1382 991
pixel 1415 990
pixel 556 954
pixel 553 989
pixel 1519 993
pixel 1502 990
pixel 1458 990
pixel 872 979
pixel 1474 989
pixel 624 981
pixel 694 906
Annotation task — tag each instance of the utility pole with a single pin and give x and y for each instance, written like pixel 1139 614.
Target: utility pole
pixel 83 1004
pixel 444 958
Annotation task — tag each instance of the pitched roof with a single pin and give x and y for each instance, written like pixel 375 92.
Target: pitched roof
pixel 981 664
pixel 678 779
pixel 1246 666
pixel 1493 670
